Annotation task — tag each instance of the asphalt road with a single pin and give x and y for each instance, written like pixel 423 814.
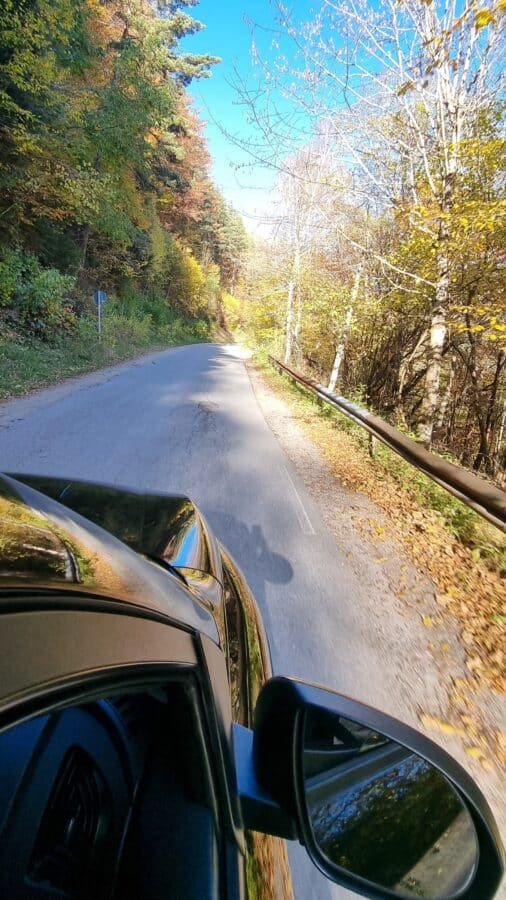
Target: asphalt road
pixel 187 420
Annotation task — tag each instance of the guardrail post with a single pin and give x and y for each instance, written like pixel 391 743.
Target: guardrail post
pixel 373 445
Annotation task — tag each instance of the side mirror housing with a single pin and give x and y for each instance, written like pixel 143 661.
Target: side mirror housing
pixel 380 808
pixel 260 811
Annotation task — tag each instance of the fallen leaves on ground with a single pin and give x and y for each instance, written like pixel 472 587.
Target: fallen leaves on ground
pixel 481 743
pixel 466 588
pixel 433 722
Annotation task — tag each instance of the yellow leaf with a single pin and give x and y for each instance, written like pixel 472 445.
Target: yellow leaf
pixel 474 662
pixel 469 721
pixel 474 752
pixel 405 87
pixel 427 621
pixel 482 18
pixel 500 737
pixel 429 721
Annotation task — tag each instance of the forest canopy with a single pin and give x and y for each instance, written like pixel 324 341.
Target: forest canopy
pixel 104 171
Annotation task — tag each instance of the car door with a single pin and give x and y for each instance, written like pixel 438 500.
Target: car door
pixel 114 741
pixel 266 863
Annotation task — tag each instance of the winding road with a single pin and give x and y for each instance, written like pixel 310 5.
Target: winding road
pixel 187 420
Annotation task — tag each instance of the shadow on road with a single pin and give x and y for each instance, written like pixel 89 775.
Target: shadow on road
pixel 261 567
pixel 251 552
pixel 250 549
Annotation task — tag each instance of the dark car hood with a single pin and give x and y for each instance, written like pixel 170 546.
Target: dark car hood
pixel 166 527
pixel 85 541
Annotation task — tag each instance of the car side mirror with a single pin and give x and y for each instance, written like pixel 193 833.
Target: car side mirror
pixel 380 808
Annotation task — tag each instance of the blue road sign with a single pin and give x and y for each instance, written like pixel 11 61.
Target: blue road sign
pixel 99 297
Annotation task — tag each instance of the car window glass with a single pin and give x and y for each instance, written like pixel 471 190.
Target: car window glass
pixel 84 792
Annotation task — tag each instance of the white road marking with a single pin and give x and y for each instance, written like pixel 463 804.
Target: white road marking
pixel 300 509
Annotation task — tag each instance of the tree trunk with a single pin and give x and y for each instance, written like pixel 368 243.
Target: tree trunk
pixel 430 400
pixel 298 322
pixel 487 432
pixel 445 402
pixel 289 321
pixel 343 338
pixel 499 442
pixel 438 331
pixel 84 251
pixel 405 365
pixel 293 290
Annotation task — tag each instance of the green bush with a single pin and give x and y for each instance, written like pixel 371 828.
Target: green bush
pixel 155 320
pixel 44 305
pixel 185 331
pixel 37 299
pixel 43 340
pixel 136 305
pixel 16 268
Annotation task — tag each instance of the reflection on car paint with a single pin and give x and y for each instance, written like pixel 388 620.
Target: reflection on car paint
pixel 103 565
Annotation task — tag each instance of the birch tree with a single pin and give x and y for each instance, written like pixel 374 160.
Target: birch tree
pixel 401 86
pixel 306 190
pixel 341 346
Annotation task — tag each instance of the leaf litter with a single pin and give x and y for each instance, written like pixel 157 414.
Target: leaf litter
pixel 465 587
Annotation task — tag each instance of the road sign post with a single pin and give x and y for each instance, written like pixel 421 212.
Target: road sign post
pixel 99 298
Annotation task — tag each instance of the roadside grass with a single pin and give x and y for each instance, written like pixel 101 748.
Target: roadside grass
pixel 463 554
pixel 26 364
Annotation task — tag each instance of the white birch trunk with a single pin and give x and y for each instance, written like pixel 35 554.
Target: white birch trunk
pixel 289 321
pixel 430 401
pixel 343 339
pixel 291 330
pixel 438 327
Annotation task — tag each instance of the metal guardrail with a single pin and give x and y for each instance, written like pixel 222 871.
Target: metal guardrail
pixel 485 498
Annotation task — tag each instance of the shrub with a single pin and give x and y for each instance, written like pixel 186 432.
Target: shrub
pixel 135 305
pixel 16 267
pixel 38 299
pixel 185 281
pixel 44 305
pixel 232 310
pixel 120 332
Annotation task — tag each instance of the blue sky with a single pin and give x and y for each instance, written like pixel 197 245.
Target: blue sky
pixel 228 36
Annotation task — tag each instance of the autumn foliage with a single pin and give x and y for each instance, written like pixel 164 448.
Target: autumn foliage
pixel 104 172
pixel 388 281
